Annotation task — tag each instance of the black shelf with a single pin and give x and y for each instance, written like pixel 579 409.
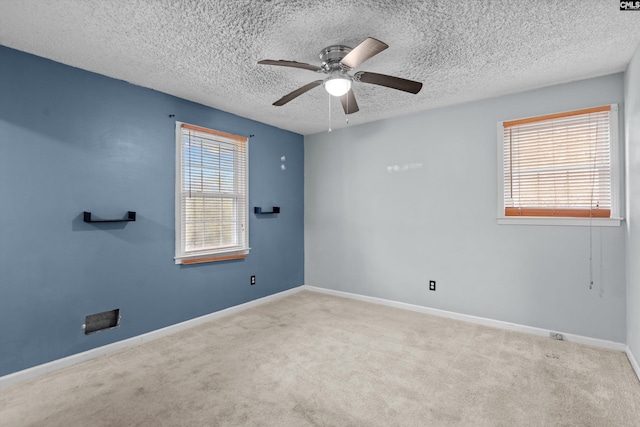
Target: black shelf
pixel 131 216
pixel 258 210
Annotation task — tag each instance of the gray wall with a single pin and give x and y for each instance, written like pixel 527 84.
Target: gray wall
pixel 632 130
pixel 375 231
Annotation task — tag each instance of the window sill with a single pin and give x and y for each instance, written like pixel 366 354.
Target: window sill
pixel 203 258
pixel 581 222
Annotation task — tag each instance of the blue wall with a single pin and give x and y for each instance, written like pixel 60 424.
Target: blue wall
pixel 70 141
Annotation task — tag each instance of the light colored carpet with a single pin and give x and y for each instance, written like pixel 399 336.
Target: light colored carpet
pixel 316 360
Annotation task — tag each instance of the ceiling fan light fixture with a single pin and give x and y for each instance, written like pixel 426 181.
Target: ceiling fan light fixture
pixel 337 86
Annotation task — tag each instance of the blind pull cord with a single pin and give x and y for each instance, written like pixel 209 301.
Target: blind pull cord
pixel 594 152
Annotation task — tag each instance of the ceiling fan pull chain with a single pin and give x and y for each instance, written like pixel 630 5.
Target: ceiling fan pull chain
pixel 347 117
pixel 329 113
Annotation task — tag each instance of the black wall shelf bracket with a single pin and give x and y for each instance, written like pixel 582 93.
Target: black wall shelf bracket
pixel 258 210
pixel 131 216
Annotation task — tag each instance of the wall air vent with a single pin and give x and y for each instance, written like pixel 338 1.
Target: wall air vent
pixel 101 321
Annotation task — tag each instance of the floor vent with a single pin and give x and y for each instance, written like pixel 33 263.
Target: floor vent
pixel 101 321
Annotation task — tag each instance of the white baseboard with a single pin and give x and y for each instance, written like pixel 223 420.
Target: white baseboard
pixel 595 342
pixel 633 361
pixel 54 365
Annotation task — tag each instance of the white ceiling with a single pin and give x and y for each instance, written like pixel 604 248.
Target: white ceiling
pixel 207 50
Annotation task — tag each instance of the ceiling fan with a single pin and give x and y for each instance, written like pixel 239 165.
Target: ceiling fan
pixel 337 61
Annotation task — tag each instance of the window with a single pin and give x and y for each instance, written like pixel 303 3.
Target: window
pixel 211 195
pixel 560 168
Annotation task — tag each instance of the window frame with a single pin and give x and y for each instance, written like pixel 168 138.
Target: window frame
pixel 182 256
pixel 615 171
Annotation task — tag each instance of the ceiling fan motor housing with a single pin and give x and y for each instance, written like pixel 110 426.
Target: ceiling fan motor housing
pixel 331 57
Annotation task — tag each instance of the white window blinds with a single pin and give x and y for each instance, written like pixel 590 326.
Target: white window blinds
pixel 559 165
pixel 211 199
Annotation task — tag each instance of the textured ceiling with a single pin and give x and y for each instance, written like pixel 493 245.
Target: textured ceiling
pixel 207 50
